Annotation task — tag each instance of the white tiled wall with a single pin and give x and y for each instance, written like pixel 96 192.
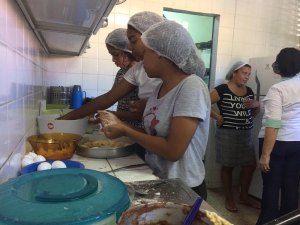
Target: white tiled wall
pixel 21 76
pixel 248 28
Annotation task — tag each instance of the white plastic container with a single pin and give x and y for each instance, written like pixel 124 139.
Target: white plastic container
pixel 49 124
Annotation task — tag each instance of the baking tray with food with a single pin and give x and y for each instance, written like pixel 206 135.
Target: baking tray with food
pixel 98 146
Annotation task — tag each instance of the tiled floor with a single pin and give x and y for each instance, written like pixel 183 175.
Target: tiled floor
pixel 245 215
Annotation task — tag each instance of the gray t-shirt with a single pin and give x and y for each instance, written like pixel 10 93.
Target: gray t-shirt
pixel 190 98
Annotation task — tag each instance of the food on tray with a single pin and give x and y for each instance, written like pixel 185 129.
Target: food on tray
pixel 216 219
pixel 104 144
pixel 167 213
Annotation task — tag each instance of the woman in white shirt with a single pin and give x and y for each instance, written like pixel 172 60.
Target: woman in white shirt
pixel 279 141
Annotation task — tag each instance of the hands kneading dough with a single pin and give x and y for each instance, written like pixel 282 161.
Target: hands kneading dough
pixel 107 118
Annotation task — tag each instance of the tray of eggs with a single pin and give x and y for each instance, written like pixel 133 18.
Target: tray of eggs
pixel 32 162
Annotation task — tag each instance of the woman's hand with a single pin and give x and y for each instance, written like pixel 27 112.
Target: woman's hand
pixel 114 130
pixel 264 163
pixel 220 120
pixel 251 104
pixel 108 118
pixel 94 119
pixel 111 125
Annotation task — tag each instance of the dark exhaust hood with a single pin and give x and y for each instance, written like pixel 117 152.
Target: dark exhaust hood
pixel 64 27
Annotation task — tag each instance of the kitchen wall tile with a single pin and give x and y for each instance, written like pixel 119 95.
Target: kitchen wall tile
pixel 4 135
pixel 11 26
pixel 94 39
pixel 105 82
pixel 89 66
pixel 121 20
pixel 261 39
pixel 56 79
pixel 91 52
pixel 227 21
pixel 56 64
pixel 91 93
pixel 226 34
pixel 89 81
pixel 74 64
pixel 180 4
pixel 123 8
pixel 20 35
pixel 245 22
pixel 12 168
pixel 3 75
pixel 242 49
pixel 11 76
pixel 106 67
pixel 102 36
pixel 137 6
pixel 198 6
pixel 103 53
pixel 225 47
pixel 223 6
pixel 3 17
pixel 244 36
pixel 31 111
pixel 74 79
pixel 155 7
pixel 261 50
pixel 244 7
pixel 16 126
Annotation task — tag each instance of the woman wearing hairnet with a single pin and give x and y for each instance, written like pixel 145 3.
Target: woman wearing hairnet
pixel 134 77
pixel 279 140
pixel 234 133
pixel 177 114
pixel 118 46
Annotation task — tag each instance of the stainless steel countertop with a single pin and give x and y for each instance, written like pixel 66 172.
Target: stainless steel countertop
pixel 167 190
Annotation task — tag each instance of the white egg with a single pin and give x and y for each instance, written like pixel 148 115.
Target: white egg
pixel 58 164
pixel 44 166
pixel 32 155
pixel 28 157
pixel 39 158
pixel 26 161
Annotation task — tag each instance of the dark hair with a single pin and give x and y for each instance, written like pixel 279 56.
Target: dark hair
pixel 288 61
pixel 130 56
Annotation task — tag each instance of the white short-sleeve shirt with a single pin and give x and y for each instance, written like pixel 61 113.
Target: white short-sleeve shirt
pixel 282 105
pixel 137 76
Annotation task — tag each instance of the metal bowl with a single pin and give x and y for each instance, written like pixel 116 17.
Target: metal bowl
pixel 105 151
pixel 54 146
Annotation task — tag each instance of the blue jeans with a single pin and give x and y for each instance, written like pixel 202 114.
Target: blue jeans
pixel 281 182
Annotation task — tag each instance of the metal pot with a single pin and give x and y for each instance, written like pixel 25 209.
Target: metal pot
pixel 105 151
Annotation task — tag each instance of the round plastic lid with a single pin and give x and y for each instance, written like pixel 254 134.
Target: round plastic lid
pixel 62 196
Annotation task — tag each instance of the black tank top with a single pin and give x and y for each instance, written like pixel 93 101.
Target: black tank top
pixel 235 114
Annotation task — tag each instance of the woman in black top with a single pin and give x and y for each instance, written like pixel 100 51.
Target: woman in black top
pixel 234 137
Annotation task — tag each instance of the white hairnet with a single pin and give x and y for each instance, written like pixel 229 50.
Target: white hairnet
pixel 118 39
pixel 235 67
pixel 141 21
pixel 171 40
